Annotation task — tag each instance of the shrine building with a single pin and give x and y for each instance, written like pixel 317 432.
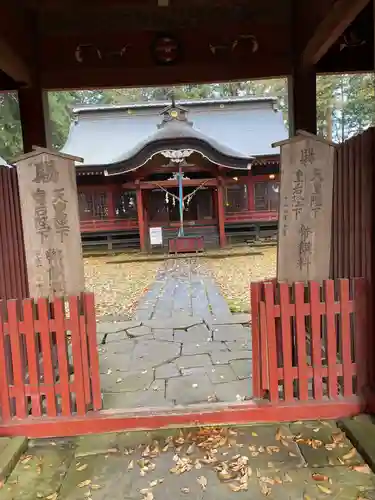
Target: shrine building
pixel 134 154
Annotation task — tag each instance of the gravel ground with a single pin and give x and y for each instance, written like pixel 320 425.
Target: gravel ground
pixel 118 287
pixel 234 274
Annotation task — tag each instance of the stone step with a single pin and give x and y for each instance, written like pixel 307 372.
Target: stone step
pixel 11 450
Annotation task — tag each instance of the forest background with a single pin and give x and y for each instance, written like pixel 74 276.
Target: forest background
pixel 345 105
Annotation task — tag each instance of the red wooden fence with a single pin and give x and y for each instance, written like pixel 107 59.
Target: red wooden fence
pixel 48 358
pixel 307 340
pixel 13 274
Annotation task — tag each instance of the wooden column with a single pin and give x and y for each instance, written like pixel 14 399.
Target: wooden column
pixel 33 104
pixel 221 212
pixel 250 192
pixel 141 221
pixel 111 191
pixel 302 81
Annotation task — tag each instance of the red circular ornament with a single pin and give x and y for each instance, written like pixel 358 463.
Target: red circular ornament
pixel 166 49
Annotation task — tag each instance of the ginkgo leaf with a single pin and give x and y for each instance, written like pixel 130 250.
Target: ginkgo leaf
pixel 324 489
pixel 202 480
pixel 84 483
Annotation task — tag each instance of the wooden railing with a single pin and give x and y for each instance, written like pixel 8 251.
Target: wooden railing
pixel 49 363
pixel 308 342
pixel 252 215
pixel 114 224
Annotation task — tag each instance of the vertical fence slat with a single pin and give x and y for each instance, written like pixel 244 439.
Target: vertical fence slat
pixel 4 381
pixel 303 377
pixel 316 349
pixel 286 341
pixel 271 341
pixel 77 355
pixel 48 372
pixel 331 338
pixel 85 354
pixel 338 217
pixel 17 362
pixel 62 355
pixel 346 341
pixel 255 338
pixel 363 336
pixel 358 201
pixel 351 206
pixel 89 308
pixel 32 356
pixel 265 379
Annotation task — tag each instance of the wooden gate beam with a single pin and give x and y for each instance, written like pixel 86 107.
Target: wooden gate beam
pixel 341 14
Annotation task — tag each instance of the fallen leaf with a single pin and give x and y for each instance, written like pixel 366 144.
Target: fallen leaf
pixel 51 497
pixel 287 478
pixel 319 477
pixel 131 465
pixel 254 434
pixel 202 480
pixel 185 490
pixel 291 454
pixel 350 454
pixel 154 483
pixel 249 471
pixel 234 487
pixel 278 435
pixel 144 491
pixel 264 489
pixel 149 496
pixel 95 487
pixel 190 449
pixel 84 483
pixel 364 469
pixel 82 467
pixel 338 437
pixel 323 489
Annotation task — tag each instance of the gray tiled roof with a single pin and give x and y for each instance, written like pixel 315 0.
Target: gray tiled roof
pixel 239 128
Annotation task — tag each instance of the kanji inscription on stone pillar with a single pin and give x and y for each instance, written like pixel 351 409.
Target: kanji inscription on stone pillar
pixel 306 188
pixel 50 219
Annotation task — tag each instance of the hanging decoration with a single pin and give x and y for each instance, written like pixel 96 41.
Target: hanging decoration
pixel 166 49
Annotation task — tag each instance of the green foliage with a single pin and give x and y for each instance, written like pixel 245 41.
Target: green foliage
pixel 345 105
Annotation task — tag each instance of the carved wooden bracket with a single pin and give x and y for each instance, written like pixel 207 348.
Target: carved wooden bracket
pixel 250 39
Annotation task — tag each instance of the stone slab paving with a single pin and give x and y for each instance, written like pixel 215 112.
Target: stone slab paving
pixel 183 347
pixel 248 462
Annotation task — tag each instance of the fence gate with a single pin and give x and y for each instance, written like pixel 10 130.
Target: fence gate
pixel 307 340
pixel 49 363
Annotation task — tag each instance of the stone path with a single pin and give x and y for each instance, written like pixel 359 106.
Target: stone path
pixel 183 347
pixel 302 461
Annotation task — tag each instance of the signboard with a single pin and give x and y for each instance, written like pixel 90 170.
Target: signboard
pixel 50 219
pixel 306 185
pixel 156 235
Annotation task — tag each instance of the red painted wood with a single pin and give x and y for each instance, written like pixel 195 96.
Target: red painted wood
pixel 250 193
pixel 145 419
pixel 271 342
pixel 183 244
pixel 357 207
pixel 32 357
pixel 89 308
pixel 221 214
pixel 17 361
pixel 141 224
pixel 316 348
pixel 4 381
pixel 363 336
pixel 62 354
pixel 265 379
pixel 255 338
pixel 74 325
pixel 286 341
pixel 346 341
pixel 299 300
pixel 252 216
pixel 116 224
pixel 48 368
pixel 329 296
pixel 85 357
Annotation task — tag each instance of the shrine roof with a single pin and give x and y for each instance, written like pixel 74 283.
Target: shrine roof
pixel 230 132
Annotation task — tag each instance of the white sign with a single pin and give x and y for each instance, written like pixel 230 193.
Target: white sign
pixel 156 235
pixel 306 186
pixel 50 219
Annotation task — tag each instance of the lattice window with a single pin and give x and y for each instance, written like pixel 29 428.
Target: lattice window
pixel 236 199
pixel 126 205
pixel 93 205
pixel 266 196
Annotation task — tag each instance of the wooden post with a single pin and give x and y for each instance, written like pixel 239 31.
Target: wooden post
pixel 33 104
pixel 221 212
pixel 250 192
pixel 302 82
pixel 111 189
pixel 141 221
